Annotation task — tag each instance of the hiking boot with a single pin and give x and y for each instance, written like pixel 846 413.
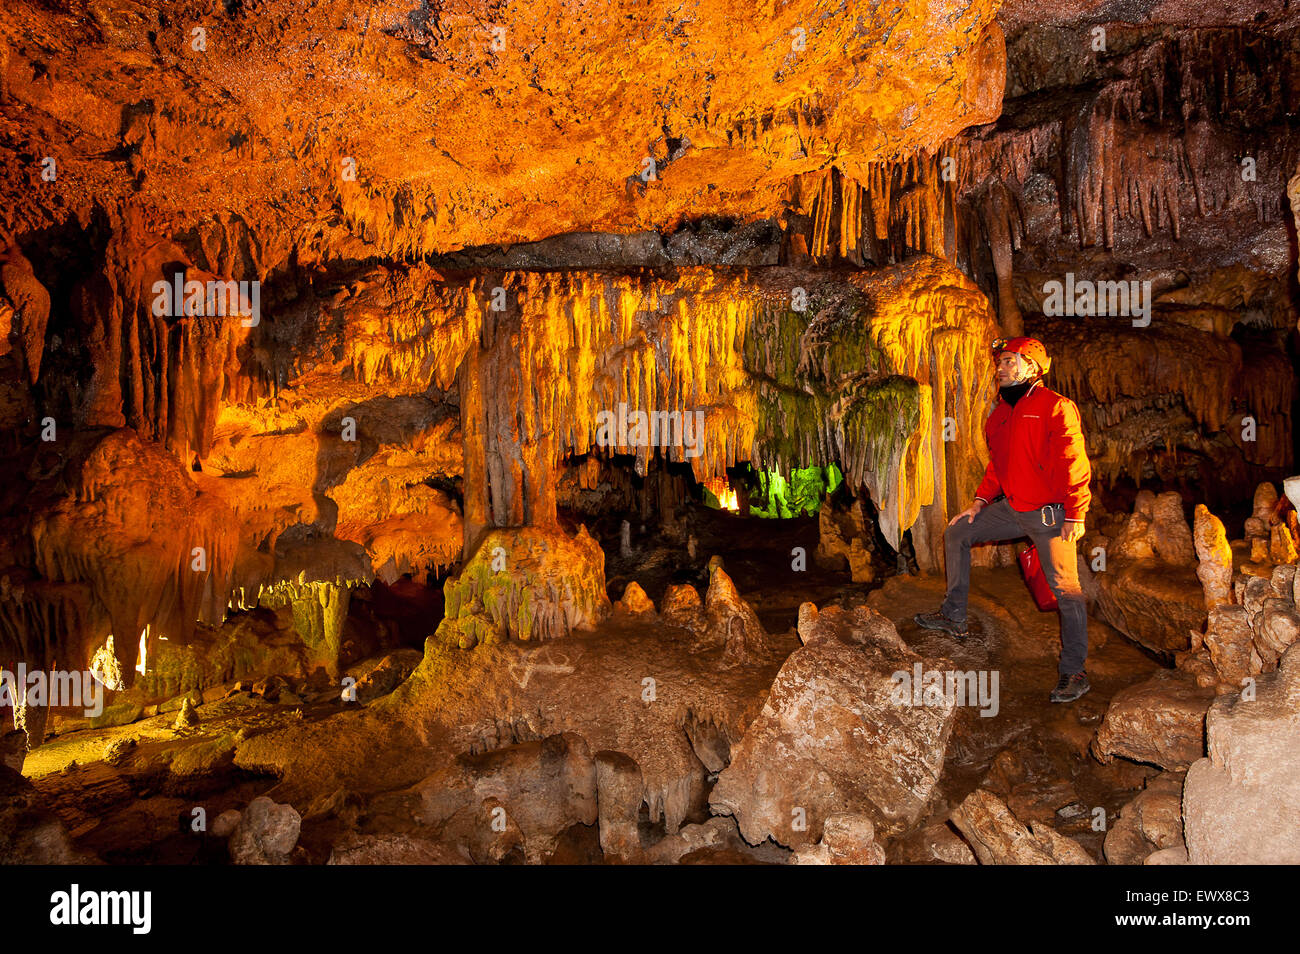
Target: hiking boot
pixel 941 623
pixel 1071 687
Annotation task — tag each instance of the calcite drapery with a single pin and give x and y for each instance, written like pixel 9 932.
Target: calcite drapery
pixel 884 373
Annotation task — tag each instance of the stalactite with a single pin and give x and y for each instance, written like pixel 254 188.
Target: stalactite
pixel 1154 390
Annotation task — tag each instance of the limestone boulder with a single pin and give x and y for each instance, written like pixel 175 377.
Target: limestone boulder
pixel 1241 803
pixel 998 837
pixel 836 735
pixel 266 834
pixel 1276 629
pixel 934 844
pixel 1153 603
pixel 1160 721
pixel 224 825
pixel 1250 592
pixel 1134 541
pixel 1283 581
pixel 1151 822
pixel 1230 642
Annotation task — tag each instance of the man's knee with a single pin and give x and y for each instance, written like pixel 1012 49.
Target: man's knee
pixel 957 535
pixel 962 533
pixel 1063 574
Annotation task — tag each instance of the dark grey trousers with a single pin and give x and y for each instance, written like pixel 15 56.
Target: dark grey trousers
pixel 998 521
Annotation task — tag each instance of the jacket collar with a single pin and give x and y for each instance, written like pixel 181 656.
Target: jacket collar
pixel 1030 390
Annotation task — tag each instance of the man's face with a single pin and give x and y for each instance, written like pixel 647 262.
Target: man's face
pixel 1014 368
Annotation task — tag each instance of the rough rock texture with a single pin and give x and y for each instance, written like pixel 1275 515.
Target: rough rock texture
pixel 732 624
pixel 683 607
pixel 1215 555
pixel 29 833
pixel 392 850
pixel 936 844
pixel 1161 721
pixel 725 123
pixel 523 795
pixel 618 798
pixel 1147 590
pixel 847 839
pixel 832 738
pixel 266 833
pixel 1171 537
pixel 668 709
pixel 998 837
pixel 1151 602
pixel 1276 629
pixel 1241 803
pixel 1151 822
pixel 1228 639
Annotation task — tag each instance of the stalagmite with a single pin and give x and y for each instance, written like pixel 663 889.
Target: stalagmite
pixel 1215 567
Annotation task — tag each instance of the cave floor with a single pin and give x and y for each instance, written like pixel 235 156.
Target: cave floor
pixel 352 768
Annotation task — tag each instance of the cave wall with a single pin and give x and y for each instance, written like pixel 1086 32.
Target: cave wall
pixel 921 173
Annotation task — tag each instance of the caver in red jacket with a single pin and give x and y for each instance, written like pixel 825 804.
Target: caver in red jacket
pixel 1037 454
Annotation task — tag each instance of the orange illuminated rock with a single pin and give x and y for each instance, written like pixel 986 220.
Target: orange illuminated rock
pixel 1215 567
pixel 413 132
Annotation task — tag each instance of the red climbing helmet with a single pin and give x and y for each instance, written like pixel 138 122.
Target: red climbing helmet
pixel 1030 348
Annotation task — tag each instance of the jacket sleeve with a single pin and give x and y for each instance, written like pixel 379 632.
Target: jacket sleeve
pixel 989 487
pixel 1069 456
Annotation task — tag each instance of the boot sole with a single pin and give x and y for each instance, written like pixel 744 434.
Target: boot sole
pixel 1072 698
pixel 960 637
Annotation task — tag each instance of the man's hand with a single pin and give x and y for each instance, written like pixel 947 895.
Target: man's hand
pixel 1073 530
pixel 968 513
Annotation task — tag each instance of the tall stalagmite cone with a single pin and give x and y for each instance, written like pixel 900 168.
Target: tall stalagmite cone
pixel 732 623
pixel 1215 555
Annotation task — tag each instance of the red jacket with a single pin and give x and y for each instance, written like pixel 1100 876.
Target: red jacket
pixel 1037 455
